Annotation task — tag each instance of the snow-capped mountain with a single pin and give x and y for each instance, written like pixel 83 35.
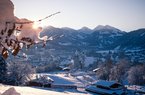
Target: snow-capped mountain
pixel 132 40
pixel 100 27
pixel 67 41
pixel 65 37
pixel 85 30
pixel 102 37
pixel 108 29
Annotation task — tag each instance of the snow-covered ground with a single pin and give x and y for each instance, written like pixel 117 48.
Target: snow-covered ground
pixel 136 89
pixel 80 79
pixel 43 91
pixel 59 78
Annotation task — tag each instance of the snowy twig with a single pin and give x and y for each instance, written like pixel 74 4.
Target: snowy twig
pixel 28 22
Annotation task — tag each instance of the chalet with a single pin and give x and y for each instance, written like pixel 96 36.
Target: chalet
pixel 41 81
pixel 106 88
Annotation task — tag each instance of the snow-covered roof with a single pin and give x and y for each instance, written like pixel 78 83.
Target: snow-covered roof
pixel 66 68
pixel 43 78
pixel 96 69
pixel 105 83
pixel 99 90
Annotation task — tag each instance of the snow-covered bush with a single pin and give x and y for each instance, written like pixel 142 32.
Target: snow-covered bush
pixel 19 73
pixel 117 72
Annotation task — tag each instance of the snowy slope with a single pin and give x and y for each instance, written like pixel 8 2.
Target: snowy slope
pixel 43 91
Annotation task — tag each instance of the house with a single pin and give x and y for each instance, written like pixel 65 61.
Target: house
pixel 106 88
pixel 41 81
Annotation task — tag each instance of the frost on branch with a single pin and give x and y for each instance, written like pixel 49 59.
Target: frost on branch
pixel 14 32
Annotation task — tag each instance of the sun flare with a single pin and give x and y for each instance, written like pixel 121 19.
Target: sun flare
pixel 35 25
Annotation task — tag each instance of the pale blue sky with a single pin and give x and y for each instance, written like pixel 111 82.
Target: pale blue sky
pixel 126 15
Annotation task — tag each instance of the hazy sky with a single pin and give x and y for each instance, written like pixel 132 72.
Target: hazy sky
pixel 126 15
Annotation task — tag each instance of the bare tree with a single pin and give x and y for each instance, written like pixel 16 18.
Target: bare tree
pixel 136 75
pixel 102 73
pixel 106 70
pixel 119 71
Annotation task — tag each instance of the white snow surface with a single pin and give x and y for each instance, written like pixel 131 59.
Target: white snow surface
pixel 42 91
pixel 61 78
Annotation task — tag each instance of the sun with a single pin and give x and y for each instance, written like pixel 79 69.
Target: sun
pixel 36 25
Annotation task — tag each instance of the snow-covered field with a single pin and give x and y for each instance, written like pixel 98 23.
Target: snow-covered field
pixel 60 78
pixel 79 79
pixel 43 91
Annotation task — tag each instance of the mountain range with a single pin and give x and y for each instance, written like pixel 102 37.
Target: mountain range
pixel 100 38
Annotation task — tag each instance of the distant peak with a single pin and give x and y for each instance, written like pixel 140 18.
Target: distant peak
pixel 99 27
pixel 50 27
pixel 108 27
pixel 67 28
pixel 85 28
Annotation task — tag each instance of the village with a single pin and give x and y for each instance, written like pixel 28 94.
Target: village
pixel 80 83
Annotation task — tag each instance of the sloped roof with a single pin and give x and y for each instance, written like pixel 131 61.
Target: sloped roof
pixel 105 83
pixel 96 69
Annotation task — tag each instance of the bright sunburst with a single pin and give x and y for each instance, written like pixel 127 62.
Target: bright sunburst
pixel 36 25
